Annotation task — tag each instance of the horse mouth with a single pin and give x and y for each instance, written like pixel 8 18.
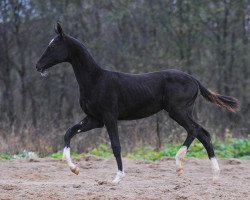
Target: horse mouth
pixel 42 71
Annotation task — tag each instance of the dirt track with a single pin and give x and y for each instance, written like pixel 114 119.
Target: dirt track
pixel 51 179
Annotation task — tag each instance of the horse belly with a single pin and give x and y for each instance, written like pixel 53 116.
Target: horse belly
pixel 140 111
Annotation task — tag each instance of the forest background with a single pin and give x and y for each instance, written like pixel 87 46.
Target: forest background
pixel 208 39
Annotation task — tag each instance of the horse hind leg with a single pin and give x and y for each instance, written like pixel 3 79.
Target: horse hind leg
pixel 184 118
pixel 205 138
pixel 194 130
pixel 179 158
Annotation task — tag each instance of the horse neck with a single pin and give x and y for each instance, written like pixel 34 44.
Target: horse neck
pixel 86 70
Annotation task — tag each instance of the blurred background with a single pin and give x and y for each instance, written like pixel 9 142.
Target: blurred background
pixel 208 39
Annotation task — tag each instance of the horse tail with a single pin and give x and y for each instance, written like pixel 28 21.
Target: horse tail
pixel 227 102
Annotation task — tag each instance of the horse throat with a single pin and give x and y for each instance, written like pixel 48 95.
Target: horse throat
pixel 87 71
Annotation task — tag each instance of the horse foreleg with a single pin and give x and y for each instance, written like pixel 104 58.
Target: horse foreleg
pixel 66 156
pixel 85 125
pixel 111 125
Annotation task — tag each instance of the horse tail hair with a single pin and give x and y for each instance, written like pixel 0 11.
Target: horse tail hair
pixel 227 102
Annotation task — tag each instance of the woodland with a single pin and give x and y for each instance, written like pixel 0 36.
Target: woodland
pixel 208 39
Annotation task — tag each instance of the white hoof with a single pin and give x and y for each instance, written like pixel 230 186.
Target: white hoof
pixel 119 176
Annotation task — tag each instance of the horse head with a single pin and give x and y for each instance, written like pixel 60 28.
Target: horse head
pixel 56 52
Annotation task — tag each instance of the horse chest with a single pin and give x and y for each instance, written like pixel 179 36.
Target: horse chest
pixel 89 108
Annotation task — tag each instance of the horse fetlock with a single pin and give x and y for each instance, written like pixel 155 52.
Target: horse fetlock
pixel 119 176
pixel 215 169
pixel 66 153
pixel 64 156
pixel 179 158
pixel 179 166
pixel 178 162
pixel 216 174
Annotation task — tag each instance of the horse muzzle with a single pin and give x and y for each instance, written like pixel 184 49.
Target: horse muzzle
pixel 40 68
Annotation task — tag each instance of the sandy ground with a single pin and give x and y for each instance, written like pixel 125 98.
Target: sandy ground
pixel 47 178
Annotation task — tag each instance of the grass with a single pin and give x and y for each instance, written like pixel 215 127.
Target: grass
pixel 59 155
pixel 21 154
pixel 102 151
pixel 233 148
pixel 6 156
pixel 230 148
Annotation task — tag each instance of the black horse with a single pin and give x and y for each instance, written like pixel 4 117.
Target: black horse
pixel 109 96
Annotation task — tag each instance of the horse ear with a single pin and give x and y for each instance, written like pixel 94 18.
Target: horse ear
pixel 55 29
pixel 58 29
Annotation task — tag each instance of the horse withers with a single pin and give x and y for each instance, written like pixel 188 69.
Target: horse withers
pixel 108 96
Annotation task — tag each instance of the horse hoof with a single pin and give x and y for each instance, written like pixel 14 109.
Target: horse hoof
pixel 119 176
pixel 116 181
pixel 179 171
pixel 75 170
pixel 215 179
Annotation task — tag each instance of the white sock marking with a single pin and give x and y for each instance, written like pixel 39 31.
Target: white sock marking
pixel 215 168
pixel 179 156
pixel 66 155
pixel 119 176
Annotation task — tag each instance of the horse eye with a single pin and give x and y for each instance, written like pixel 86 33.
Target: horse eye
pixel 52 46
